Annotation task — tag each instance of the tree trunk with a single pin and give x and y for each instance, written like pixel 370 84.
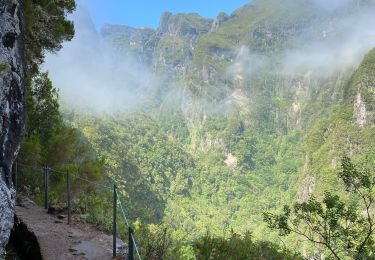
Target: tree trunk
pixel 12 87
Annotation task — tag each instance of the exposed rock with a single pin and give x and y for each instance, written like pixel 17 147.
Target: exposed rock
pixel 334 157
pixel 24 202
pixel 308 189
pixel 12 76
pixel 360 110
pixel 210 142
pixel 309 183
pixel 238 97
pixel 61 216
pixel 230 161
pixel 139 42
pixel 220 19
pixel 334 162
pixel 25 241
pixel 183 24
pixel 55 209
pixel 300 87
pixel 295 114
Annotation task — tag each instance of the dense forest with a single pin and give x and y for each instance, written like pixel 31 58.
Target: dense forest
pixel 249 136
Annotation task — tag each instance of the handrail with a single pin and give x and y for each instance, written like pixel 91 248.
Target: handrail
pixel 127 223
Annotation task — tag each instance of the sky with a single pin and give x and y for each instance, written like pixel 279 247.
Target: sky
pixel 110 81
pixel 146 13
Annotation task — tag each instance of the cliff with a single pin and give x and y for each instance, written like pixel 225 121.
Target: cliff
pixel 12 82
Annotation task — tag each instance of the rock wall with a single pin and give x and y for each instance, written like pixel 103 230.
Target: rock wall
pixel 360 110
pixel 12 85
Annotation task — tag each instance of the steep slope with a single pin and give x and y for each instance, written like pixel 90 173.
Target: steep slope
pixel 253 111
pixel 362 88
pixel 346 129
pixel 12 85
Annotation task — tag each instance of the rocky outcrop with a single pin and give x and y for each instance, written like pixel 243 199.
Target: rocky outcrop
pixel 230 160
pixel 12 81
pixel 140 42
pixel 183 24
pixel 220 19
pixel 25 241
pixel 360 110
pixel 307 189
pixel 361 91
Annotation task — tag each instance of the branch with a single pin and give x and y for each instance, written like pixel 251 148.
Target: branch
pixel 369 220
pixel 316 241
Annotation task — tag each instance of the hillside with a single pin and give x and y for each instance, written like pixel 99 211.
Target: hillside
pixel 241 114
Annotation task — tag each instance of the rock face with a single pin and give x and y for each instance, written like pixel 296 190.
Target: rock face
pixel 169 47
pixel 12 82
pixel 360 110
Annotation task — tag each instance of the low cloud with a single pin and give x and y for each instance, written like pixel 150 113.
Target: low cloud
pixel 246 64
pixel 340 45
pixel 92 74
pixel 329 45
pixel 332 4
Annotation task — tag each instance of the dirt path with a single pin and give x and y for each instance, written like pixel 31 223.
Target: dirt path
pixel 57 240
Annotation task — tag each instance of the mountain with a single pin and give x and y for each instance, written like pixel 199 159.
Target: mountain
pixel 246 113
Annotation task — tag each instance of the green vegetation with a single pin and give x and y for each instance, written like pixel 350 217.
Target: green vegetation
pixel 366 69
pixel 47 138
pixel 237 246
pixel 343 229
pixel 46 27
pixel 185 24
pixel 158 244
pixel 3 67
pixel 175 50
pixel 189 173
pixel 245 144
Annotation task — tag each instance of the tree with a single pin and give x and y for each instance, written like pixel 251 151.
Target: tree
pixel 43 115
pixel 237 246
pixel 46 27
pixel 344 228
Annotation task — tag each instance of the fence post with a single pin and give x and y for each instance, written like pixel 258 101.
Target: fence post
pixel 114 219
pixel 131 244
pixel 68 196
pixel 46 186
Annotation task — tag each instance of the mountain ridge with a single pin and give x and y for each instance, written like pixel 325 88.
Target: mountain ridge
pixel 251 111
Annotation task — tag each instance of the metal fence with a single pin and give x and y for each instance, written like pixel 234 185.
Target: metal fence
pixel 47 172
